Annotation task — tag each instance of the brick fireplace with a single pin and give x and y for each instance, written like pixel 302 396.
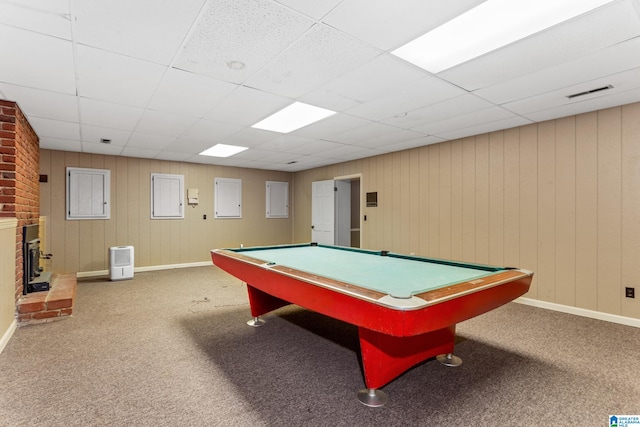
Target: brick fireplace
pixel 20 199
pixel 19 176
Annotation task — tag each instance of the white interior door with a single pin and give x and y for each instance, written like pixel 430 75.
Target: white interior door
pixel 323 212
pixel 342 211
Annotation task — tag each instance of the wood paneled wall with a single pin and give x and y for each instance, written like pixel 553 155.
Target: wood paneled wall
pixel 82 245
pixel 561 198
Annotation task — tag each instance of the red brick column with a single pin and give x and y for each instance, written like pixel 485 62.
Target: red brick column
pixel 19 175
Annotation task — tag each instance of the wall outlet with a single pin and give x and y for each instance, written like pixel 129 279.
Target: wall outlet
pixel 630 292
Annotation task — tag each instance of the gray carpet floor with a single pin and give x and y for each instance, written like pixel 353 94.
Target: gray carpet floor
pixel 171 348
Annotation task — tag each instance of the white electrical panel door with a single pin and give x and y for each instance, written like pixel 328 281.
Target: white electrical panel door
pixel 228 198
pixel 88 193
pixel 277 199
pixel 167 196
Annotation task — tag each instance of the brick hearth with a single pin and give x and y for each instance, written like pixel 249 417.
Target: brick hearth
pixel 57 303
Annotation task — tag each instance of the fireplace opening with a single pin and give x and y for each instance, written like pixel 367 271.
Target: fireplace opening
pixel 34 279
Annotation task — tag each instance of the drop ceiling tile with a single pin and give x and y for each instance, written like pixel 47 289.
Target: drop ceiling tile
pixel 587 105
pixel 149 142
pixel 385 140
pixel 250 137
pixel 218 161
pixel 165 124
pixel 144 29
pixel 95 133
pixel 330 126
pixel 389 24
pixel 189 146
pixel 251 164
pixel 42 103
pixel 48 64
pixel 319 148
pixel 329 99
pixel 60 144
pixel 116 78
pixel 321 54
pixel 606 26
pixel 604 62
pixel 368 152
pixel 176 156
pixel 308 162
pixel 449 108
pixel 295 167
pixel 313 8
pixel 139 153
pixel 244 163
pixel 411 96
pixel 55 128
pixel 375 79
pixel 253 154
pixel 414 143
pixel 207 130
pixel 107 114
pixel 248 31
pixel 464 121
pixel 621 82
pixel 279 157
pixel 485 127
pixel 247 106
pixel 97 148
pixel 50 17
pixel 189 94
pixel 362 134
pixel 343 151
pixel 285 143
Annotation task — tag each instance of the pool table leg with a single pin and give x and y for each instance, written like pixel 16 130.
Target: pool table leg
pixel 385 357
pixel 261 303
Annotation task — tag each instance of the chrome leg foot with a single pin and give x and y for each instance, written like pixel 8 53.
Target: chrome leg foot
pixel 372 397
pixel 255 322
pixel 449 359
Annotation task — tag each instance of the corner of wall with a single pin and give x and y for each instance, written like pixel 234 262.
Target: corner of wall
pixel 8 227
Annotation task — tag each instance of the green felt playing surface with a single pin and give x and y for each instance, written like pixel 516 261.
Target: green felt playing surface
pixel 397 277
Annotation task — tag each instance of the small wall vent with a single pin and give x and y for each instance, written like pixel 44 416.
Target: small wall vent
pixel 589 92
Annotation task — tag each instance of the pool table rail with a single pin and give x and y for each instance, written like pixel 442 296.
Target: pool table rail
pixel 415 302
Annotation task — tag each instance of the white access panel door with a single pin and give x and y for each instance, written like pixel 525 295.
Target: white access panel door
pixel 323 212
pixel 167 196
pixel 227 198
pixel 88 193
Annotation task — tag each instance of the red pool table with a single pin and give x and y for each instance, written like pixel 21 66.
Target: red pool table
pixel 405 307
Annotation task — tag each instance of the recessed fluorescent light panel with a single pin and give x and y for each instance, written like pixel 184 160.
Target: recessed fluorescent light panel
pixel 293 117
pixel 487 27
pixel 222 150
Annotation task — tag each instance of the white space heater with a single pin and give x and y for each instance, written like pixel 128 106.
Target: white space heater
pixel 120 262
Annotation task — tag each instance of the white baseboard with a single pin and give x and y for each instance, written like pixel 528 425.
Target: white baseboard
pixel 147 268
pixel 8 334
pixel 629 321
